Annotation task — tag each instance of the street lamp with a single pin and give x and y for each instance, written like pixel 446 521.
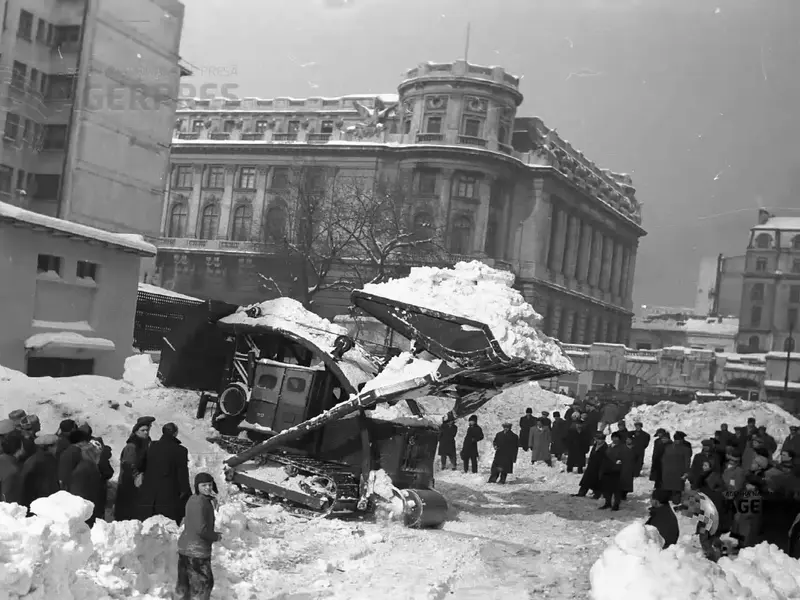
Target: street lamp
pixel 789 345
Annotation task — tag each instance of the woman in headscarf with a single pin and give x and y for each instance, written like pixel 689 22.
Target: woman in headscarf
pixel 132 465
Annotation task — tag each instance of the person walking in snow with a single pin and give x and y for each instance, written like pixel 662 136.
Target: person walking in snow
pixel 131 470
pixel 195 577
pixel 447 441
pixel 79 471
pixel 506 447
pixel 641 440
pixel 591 479
pixel 12 451
pixel 165 487
pixel 39 475
pixel 469 447
pixel 539 441
pixel 526 423
pixel 558 433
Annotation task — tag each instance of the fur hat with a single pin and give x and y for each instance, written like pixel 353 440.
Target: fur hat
pixel 144 422
pixel 67 426
pixel 204 478
pixel 17 415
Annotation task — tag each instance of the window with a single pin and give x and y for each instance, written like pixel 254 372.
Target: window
pixel 45 187
pixel 502 134
pixel 209 222
pixel 796 266
pixel 315 180
pixel 55 137
pixel 19 74
pixel 6 178
pixel 228 126
pixel 794 293
pixel 86 270
pixel 60 87
pixel 197 125
pixel 25 26
pixel 427 182
pixel 761 264
pixel 461 236
pixel 247 178
pixel 178 219
pixel 21 180
pixel 242 223
pixel 262 126
pixel 788 345
pixel 47 263
pixel 472 127
pixel 42 32
pixel 294 126
pixel 757 292
pixel 280 178
pixel 796 242
pixel 275 224
pixel 407 126
pixel 465 187
pixel 791 318
pixel 327 127
pixel 644 346
pixel 66 34
pixel 33 85
pixel 755 316
pixel 753 343
pixel 12 127
pixel 763 240
pixel 215 177
pixel 44 84
pixel 183 176
pixel 423 226
pixel 433 125
pixel 295 385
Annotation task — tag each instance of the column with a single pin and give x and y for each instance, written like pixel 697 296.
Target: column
pixel 259 204
pixel 193 218
pixel 226 202
pixel 591 324
pixel 444 202
pixel 542 217
pixel 572 242
pixel 616 269
pixel 555 321
pixel 584 253
pixel 504 236
pixel 482 217
pixel 565 335
pixel 623 279
pixel 596 259
pixel 165 209
pixel 559 241
pixel 579 334
pixel 627 300
pixel 605 267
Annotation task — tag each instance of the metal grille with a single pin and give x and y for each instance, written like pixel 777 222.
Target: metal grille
pixel 156 316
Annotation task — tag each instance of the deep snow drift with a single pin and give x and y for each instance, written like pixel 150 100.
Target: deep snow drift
pixel 476 291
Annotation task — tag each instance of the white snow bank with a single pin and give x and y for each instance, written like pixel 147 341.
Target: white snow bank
pixel 63 507
pixel 67 338
pixel 635 567
pixel 141 372
pixel 476 291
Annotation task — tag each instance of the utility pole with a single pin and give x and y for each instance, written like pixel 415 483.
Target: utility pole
pixel 466 45
pixel 789 348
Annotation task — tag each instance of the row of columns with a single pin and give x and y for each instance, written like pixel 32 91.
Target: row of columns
pixel 584 327
pixel 588 255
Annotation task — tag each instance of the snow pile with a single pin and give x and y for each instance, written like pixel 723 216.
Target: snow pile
pixel 403 367
pixel 476 291
pixel 635 567
pixel 67 338
pixel 141 372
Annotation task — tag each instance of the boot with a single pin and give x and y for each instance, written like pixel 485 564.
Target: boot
pixel 605 506
pixel 580 470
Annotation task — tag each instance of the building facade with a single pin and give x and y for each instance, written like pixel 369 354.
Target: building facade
pixel 70 299
pixel 495 187
pixel 717 334
pixel 719 286
pixel 771 285
pixel 89 104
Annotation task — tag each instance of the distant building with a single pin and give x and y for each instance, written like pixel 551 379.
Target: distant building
pixel 654 332
pixel 68 297
pixel 771 289
pixel 719 286
pixel 499 188
pixel 89 99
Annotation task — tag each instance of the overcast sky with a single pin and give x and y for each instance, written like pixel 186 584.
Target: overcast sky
pixel 698 100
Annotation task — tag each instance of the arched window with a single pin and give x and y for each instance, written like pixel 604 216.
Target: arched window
pixel 752 343
pixel 757 292
pixel 423 225
pixel 275 225
pixel 178 218
pixel 209 222
pixel 763 240
pixel 461 236
pixel 796 242
pixel 242 223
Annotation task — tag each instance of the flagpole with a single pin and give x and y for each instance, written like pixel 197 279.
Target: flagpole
pixel 466 45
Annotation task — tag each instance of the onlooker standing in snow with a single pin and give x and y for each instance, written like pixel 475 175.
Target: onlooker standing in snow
pixel 539 441
pixel 469 448
pixel 545 419
pixel 626 477
pixel 792 442
pixel 195 578
pixel 10 487
pixel 641 440
pixel 611 473
pixel 593 472
pixel 622 429
pixel 105 468
pixel 663 518
pixel 506 447
pixel 39 476
pixel 65 429
pixel 661 442
pixel 726 436
pixel 526 423
pixel 675 466
pixel 706 454
pixel 769 442
pixel 558 433
pixel 447 441
pixel 131 469
pixel 165 488
pixel 79 471
pixel 577 446
pixel 30 427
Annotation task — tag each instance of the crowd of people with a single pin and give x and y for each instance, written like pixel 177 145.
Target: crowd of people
pixel 153 480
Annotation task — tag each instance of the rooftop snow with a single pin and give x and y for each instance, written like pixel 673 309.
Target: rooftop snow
pixel 159 291
pixel 713 326
pixel 792 223
pixel 127 242
pixel 68 339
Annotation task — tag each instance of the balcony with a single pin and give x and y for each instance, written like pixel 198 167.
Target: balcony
pixel 220 136
pixel 318 138
pixel 284 137
pixel 425 138
pixel 223 246
pixel 252 136
pixel 472 141
pixel 189 135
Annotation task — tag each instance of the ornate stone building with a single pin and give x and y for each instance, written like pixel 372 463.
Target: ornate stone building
pixel 502 189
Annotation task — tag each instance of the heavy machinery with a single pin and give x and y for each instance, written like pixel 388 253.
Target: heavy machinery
pixel 289 402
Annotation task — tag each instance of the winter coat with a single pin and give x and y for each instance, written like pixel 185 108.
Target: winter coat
pixel 641 440
pixel 792 442
pixel 696 468
pixel 447 439
pixel 539 443
pixel 165 488
pixel 611 468
pixel 592 473
pixel 469 448
pixel 733 478
pixel 770 443
pixel 624 434
pixel 526 423
pixel 610 414
pixel 664 520
pixel 29 446
pixel 546 421
pixel 506 447
pixel 727 438
pixel 626 474
pixel 79 474
pixel 674 465
pixel 558 436
pixel 655 466
pixel 62 444
pixel 198 528
pixel 10 485
pixel 39 477
pixel 576 447
pixel 131 464
pixel 748 455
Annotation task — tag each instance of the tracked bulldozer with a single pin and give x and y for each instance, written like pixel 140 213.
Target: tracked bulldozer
pixel 291 407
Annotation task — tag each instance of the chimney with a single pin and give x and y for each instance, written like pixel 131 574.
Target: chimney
pixel 763 216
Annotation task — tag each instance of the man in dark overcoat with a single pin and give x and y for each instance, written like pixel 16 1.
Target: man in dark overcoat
pixel 660 443
pixel 611 473
pixel 558 436
pixel 526 423
pixel 447 441
pixel 506 447
pixel 576 447
pixel 641 440
pixel 165 487
pixel 593 472
pixel 39 475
